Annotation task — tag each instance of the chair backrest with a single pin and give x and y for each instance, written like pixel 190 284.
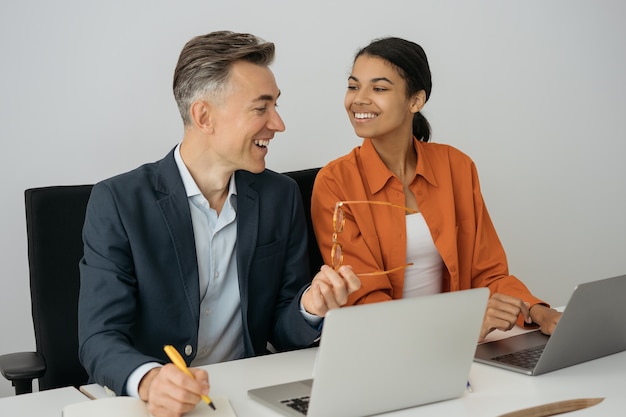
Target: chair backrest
pixel 305 179
pixel 54 222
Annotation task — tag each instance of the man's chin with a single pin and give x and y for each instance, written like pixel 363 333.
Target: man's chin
pixel 255 168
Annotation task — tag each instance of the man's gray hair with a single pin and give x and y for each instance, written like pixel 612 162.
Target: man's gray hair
pixel 204 65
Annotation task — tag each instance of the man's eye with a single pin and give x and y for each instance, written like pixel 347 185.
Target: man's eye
pixel 261 109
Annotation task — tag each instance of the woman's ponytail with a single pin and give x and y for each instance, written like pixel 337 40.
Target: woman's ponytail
pixel 421 127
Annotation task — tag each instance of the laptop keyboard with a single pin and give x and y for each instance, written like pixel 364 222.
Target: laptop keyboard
pixel 300 404
pixel 526 358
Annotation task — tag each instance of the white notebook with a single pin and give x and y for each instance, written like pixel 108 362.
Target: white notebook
pixel 134 407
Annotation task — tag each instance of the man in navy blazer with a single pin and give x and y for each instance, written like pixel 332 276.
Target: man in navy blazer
pixel 205 249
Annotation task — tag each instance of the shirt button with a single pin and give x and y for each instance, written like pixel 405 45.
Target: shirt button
pixel 188 350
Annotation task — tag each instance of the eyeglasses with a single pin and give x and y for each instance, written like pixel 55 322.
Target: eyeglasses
pixel 339 220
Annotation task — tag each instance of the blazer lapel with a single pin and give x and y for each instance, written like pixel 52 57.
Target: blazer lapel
pixel 247 231
pixel 174 207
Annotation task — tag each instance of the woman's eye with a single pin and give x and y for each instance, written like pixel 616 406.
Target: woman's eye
pixel 379 89
pixel 352 87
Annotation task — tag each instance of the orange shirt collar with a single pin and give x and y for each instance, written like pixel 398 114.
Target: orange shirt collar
pixel 378 174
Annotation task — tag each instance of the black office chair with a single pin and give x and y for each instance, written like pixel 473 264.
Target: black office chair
pixel 305 179
pixel 54 222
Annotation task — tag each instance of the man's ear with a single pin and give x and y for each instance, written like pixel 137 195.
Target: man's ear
pixel 417 101
pixel 200 113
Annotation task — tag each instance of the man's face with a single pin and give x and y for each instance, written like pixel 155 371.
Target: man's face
pixel 247 119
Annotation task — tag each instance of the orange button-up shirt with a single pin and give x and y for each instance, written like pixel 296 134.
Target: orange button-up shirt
pixel 448 195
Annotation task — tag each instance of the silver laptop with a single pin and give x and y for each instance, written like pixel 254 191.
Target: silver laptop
pixel 593 325
pixel 385 356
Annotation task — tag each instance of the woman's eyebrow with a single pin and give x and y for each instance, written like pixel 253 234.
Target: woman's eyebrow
pixel 373 80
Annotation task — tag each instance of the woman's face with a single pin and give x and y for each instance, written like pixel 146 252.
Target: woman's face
pixel 376 100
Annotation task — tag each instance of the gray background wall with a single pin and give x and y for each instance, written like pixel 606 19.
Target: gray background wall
pixel 534 91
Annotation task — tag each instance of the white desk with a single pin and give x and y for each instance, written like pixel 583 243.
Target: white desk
pixel 495 391
pixel 40 404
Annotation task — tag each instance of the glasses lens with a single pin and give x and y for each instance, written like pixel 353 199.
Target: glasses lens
pixel 338 219
pixel 337 255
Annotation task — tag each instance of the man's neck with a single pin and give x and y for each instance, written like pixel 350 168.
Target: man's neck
pixel 211 176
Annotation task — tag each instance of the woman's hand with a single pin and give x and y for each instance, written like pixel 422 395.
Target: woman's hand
pixel 502 312
pixel 546 318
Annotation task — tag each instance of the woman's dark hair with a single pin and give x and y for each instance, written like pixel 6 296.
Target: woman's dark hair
pixel 410 60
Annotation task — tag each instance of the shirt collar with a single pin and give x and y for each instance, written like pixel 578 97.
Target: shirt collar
pixel 424 164
pixel 378 174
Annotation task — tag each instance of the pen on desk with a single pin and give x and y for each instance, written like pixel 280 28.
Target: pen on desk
pixel 178 360
pixel 469 387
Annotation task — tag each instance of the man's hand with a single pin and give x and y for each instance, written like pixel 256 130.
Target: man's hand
pixel 330 289
pixel 502 312
pixel 170 392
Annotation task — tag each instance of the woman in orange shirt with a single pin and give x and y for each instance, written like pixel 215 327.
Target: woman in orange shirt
pixel 424 205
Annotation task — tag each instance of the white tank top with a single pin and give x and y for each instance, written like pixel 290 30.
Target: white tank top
pixel 425 275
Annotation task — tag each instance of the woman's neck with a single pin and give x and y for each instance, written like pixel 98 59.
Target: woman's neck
pixel 399 156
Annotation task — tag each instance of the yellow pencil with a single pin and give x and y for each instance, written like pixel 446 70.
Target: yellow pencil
pixel 178 360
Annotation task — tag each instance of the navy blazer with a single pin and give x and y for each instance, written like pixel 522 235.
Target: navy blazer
pixel 139 274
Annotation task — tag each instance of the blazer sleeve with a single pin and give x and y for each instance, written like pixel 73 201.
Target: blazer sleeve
pixel 273 265
pixel 107 296
pixel 291 330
